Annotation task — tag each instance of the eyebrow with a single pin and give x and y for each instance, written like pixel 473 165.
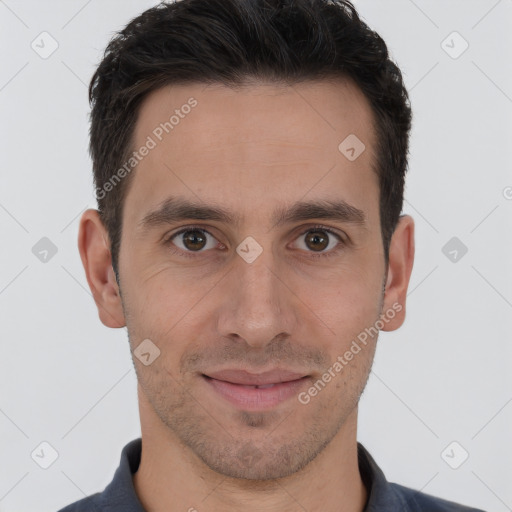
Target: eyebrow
pixel 176 209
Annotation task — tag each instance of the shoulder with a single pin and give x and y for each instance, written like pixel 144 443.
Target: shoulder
pixel 416 501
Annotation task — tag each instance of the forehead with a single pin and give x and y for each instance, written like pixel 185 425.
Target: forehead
pixel 252 145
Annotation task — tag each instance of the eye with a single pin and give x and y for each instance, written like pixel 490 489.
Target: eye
pixel 320 241
pixel 191 240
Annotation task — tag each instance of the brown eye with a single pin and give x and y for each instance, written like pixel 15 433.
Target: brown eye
pixel 316 240
pixel 192 240
pixel 319 242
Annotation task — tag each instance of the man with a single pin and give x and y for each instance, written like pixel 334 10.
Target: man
pixel 249 160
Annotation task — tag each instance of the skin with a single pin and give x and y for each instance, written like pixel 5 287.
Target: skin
pixel 250 150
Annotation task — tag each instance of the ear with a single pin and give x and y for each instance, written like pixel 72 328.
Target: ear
pixel 401 258
pixel 94 247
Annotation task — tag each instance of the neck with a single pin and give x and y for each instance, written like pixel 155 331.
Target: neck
pixel 172 478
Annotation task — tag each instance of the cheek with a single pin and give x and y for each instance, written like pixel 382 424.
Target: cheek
pixel 348 300
pixel 151 305
pixel 168 307
pixel 349 307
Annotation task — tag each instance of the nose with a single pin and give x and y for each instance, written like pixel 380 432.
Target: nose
pixel 257 304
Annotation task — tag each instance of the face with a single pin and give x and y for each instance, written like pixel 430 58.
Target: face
pixel 251 255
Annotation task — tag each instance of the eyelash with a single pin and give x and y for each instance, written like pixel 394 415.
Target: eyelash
pixel 191 254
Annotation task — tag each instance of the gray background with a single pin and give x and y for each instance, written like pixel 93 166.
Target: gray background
pixel 67 380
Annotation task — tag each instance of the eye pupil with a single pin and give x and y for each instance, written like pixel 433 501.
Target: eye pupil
pixel 192 237
pixel 314 237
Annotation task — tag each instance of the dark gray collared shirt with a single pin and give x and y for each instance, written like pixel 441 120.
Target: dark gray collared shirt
pixel 383 496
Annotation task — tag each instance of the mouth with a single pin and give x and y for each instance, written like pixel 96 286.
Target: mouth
pixel 250 391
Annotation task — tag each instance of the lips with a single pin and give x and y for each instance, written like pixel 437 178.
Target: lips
pixel 260 380
pixel 251 391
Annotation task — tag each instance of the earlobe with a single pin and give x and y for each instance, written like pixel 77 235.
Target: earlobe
pixel 401 259
pixel 97 261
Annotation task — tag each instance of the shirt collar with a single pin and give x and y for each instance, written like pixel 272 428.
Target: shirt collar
pixel 382 496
